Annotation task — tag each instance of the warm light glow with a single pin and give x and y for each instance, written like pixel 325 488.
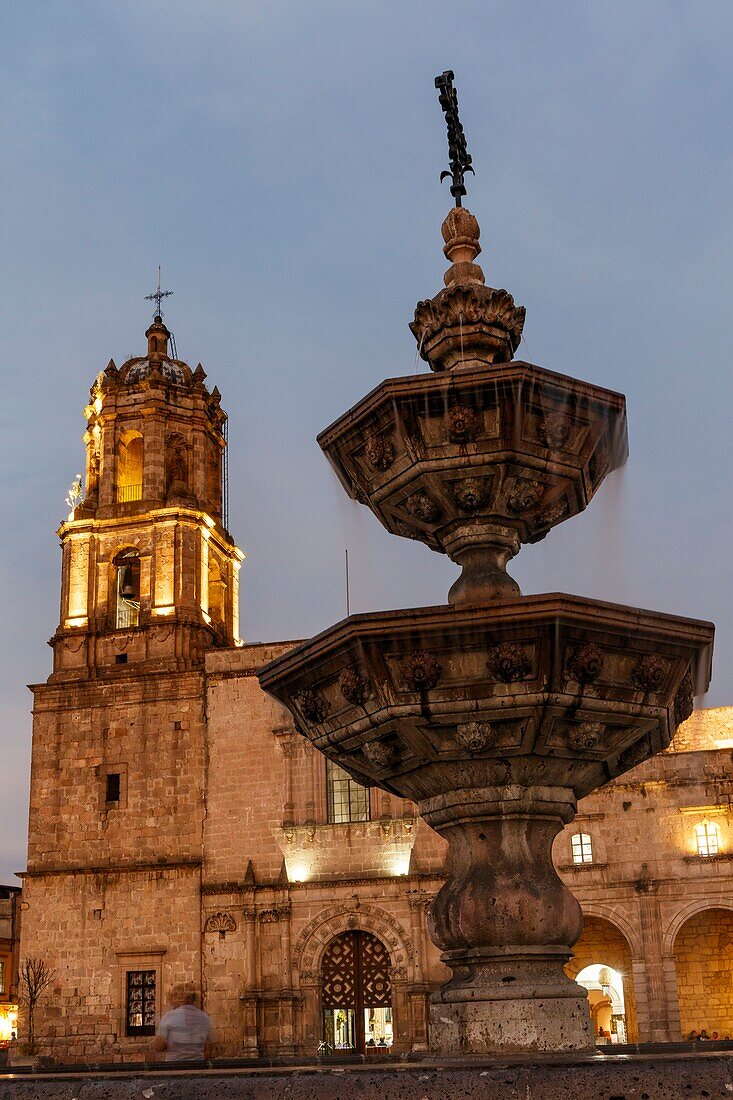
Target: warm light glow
pixel 298 872
pixel 724 743
pixel 97 405
pixel 77 620
pixel 163 610
pixel 401 864
pixel 8 1021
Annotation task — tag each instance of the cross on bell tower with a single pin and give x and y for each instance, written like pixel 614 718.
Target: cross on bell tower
pixel 157 297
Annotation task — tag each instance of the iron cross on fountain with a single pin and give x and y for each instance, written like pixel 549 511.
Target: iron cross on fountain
pixel 458 154
pixel 159 294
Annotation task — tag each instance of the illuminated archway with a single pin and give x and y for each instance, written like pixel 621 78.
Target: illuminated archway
pixel 130 467
pixel 703 953
pixel 607 1005
pixel 603 945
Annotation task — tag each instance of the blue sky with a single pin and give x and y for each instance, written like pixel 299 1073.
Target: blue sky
pixel 281 161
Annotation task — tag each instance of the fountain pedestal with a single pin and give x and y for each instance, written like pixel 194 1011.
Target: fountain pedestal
pixel 505 923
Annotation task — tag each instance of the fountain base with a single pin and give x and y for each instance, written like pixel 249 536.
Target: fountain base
pixel 517 1002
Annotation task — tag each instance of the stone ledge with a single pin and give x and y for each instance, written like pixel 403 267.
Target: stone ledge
pixel 654 1077
pixel 582 867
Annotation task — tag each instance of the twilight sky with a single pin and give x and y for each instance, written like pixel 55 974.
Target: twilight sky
pixel 281 161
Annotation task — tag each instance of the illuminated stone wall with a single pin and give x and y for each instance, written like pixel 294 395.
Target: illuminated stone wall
pixel 704 959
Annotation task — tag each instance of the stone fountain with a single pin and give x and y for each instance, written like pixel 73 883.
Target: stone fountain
pixel 496 712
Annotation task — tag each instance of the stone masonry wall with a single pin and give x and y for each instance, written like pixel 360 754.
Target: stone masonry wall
pixel 150 731
pixel 91 929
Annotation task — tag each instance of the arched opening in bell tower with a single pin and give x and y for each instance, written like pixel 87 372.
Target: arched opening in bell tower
pixel 127 589
pixel 130 467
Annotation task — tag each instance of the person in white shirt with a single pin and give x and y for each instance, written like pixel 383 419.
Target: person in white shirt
pixel 184 1033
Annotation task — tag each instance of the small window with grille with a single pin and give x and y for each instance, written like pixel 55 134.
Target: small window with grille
pixel 112 787
pixel 347 799
pixel 140 1008
pixel 582 848
pixel 707 839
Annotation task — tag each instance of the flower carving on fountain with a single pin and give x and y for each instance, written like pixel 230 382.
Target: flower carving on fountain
pixel 314 706
pixel 470 495
pixel 525 495
pixel 684 699
pixel 585 736
pixel 650 673
pixel 354 687
pixel 421 671
pixel 381 753
pixel 476 736
pixel 422 507
pixel 554 430
pixel 380 452
pixel 462 424
pixel 586 663
pixel 509 663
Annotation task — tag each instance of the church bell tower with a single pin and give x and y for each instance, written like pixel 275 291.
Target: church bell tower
pixel 150 574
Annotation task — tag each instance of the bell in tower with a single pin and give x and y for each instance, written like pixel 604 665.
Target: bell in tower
pixel 150 572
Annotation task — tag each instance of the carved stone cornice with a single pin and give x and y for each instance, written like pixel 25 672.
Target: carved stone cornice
pixel 468 325
pixel 274 913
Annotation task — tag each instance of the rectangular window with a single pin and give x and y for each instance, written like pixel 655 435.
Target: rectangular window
pixel 112 793
pixel 706 837
pixel 582 848
pixel 347 799
pixel 140 1002
pixel 2 975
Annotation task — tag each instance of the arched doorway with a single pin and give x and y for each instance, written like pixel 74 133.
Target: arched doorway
pixel 607 1006
pixel 357 994
pixel 603 946
pixel 703 952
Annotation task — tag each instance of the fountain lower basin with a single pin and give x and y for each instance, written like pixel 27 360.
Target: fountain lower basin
pixel 495 720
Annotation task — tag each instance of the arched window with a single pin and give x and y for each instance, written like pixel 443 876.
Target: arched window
pixel 582 848
pixel 127 589
pixel 130 468
pixel 707 839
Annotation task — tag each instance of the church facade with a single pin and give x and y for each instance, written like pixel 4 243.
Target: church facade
pixel 183 833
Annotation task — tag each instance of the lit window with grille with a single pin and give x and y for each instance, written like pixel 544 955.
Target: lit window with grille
pixel 140 1008
pixel 347 799
pixel 582 848
pixel 707 839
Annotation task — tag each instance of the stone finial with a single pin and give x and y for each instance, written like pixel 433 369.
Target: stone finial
pixel 467 324
pixel 461 233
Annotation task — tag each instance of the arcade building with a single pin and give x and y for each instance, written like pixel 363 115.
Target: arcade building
pixel 183 833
